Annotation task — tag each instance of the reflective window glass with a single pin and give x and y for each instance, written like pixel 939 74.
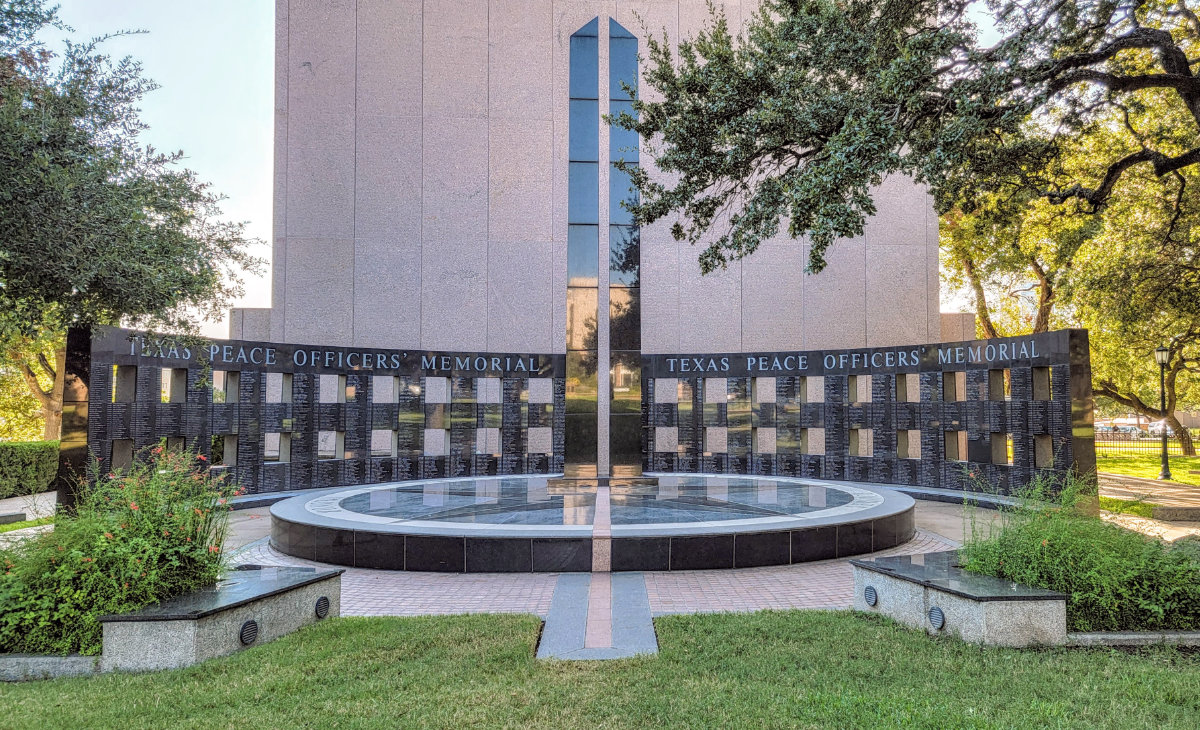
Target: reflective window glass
pixel 581 381
pixel 616 30
pixel 622 143
pixel 622 61
pixel 625 443
pixel 583 194
pixel 620 189
pixel 583 242
pixel 591 29
pixel 585 130
pixel 585 74
pixel 582 306
pixel 625 379
pixel 625 319
pixel 580 438
pixel 625 255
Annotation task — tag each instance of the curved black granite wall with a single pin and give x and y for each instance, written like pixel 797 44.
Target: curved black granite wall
pixel 116 404
pixel 941 415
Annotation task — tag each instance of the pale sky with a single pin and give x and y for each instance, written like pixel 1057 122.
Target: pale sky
pixel 214 61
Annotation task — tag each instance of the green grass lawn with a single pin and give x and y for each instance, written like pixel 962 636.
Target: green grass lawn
pixel 10 526
pixel 770 669
pixel 1148 465
pixel 1126 506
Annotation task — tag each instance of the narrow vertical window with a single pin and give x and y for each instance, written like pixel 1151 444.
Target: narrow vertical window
pixel 624 260
pixel 583 244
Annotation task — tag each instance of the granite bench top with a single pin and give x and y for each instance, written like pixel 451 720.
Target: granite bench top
pixel 940 571
pixel 242 586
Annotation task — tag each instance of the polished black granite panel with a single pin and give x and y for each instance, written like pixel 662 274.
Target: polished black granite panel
pixel 545 524
pixel 703 552
pixel 429 553
pixel 239 588
pixel 893 530
pixel 641 553
pixel 942 571
pixel 854 538
pixel 762 548
pixel 816 543
pixel 923 390
pixel 565 555
pixel 499 555
pixel 199 413
pixel 313 542
pixel 884 533
pixel 379 550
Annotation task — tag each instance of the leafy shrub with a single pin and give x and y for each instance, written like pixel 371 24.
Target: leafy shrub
pixel 27 467
pixel 144 535
pixel 1115 579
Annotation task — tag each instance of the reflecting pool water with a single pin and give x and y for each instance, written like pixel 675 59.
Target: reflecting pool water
pixel 550 501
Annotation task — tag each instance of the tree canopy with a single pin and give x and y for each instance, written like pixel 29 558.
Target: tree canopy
pixel 96 227
pixel 794 120
pixel 1129 272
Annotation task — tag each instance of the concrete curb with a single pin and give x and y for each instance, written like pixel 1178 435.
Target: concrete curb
pixel 1134 638
pixel 1175 514
pixel 27 667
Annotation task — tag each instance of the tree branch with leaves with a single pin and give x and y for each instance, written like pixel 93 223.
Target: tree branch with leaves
pixel 95 226
pixel 796 120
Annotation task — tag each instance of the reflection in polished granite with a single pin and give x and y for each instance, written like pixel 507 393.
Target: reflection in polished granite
pixel 942 571
pixel 238 588
pixel 640 501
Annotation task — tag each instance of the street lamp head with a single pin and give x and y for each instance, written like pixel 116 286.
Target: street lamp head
pixel 1162 355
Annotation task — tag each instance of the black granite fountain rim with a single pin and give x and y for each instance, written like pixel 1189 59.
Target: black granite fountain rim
pixel 296 510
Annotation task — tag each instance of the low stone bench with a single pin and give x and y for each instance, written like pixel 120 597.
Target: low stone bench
pixel 931 592
pixel 251 607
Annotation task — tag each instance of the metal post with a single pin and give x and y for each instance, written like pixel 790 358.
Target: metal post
pixel 1162 406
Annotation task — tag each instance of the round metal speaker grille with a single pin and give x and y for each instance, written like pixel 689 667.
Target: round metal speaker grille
pixel 937 619
pixel 249 632
pixel 322 607
pixel 870 596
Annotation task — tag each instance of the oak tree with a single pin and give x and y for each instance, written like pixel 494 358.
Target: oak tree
pixel 794 120
pixel 96 227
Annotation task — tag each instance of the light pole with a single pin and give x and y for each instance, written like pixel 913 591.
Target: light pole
pixel 1162 355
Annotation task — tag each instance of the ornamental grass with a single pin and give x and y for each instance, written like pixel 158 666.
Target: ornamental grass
pixel 1114 579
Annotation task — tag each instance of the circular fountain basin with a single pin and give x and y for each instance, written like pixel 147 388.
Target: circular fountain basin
pixel 555 524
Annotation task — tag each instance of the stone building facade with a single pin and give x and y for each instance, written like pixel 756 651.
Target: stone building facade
pixel 443 181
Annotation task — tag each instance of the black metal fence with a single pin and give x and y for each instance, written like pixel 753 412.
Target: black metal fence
pixel 1139 443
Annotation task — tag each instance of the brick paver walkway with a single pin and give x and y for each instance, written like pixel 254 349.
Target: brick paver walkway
pixel 399 593
pixel 825 584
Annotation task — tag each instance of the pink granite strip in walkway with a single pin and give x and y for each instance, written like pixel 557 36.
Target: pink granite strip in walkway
pixel 599 612
pixel 602 531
